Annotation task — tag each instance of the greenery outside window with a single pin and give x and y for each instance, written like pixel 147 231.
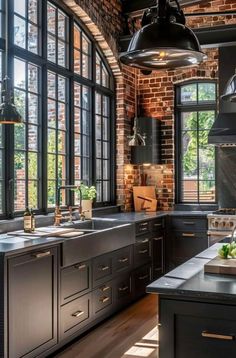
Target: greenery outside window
pixel 195 158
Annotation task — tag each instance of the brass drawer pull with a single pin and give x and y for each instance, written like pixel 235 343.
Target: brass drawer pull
pixel 125 259
pixel 188 235
pixel 143 224
pixel 80 267
pixel 143 251
pixel 104 299
pixel 42 254
pixel 105 288
pixel 143 277
pixel 143 229
pixel 125 288
pixel 104 268
pixel 158 238
pixel 77 314
pixel 189 223
pixel 218 336
pixel 144 241
pixel 157 225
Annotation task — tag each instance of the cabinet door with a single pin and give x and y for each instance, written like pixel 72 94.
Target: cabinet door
pixel 32 303
pixel 157 256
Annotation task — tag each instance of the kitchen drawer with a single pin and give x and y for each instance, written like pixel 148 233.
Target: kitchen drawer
pixel 75 281
pixel 189 223
pixel 188 244
pixel 142 227
pixel 75 315
pixel 102 269
pixel 197 330
pixel 141 278
pixel 142 251
pixel 102 298
pixel 123 290
pixel 157 224
pixel 122 260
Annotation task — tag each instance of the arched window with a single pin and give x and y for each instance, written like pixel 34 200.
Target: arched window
pixel 195 158
pixel 64 90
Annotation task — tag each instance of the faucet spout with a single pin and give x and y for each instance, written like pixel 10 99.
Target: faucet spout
pixel 232 234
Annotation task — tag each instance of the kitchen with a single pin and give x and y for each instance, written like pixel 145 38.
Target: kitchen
pixel 117 175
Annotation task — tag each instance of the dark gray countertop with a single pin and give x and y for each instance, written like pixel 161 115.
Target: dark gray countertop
pixel 189 280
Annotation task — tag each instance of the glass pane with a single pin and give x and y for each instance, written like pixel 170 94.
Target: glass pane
pixel 189 152
pixel 85 66
pixel 1 206
pixel 32 38
pixel 51 85
pixel 77 168
pixel 207 163
pixel 61 53
pixel 51 113
pixel 85 44
pixel 61 88
pixel 77 88
pixel 206 92
pixel 190 190
pixel 206 119
pixel 33 194
pixel 1 165
pixel 19 195
pixel 61 25
pixel 105 77
pixel 76 37
pixel 86 122
pixel 98 70
pixel 61 142
pixel 19 159
pixel 207 191
pixel 98 149
pixel 105 109
pixel 105 129
pixel 51 48
pixel 19 7
pixel 77 62
pixel 33 108
pixel 61 166
pixel 19 32
pixel 98 104
pixel 19 100
pixel 51 166
pixel 106 191
pixel 51 140
pixel 98 169
pixel 85 98
pixel 32 78
pixel 51 13
pixel 189 93
pixel 99 192
pixel 19 132
pixel 19 73
pixel 77 119
pixel 77 144
pixel 32 10
pixel 32 165
pixel 105 150
pixel 32 137
pixel 189 120
pixel 86 169
pixel 86 143
pixel 98 127
pixel 51 193
pixel 61 116
pixel 1 136
pixel 106 169
pixel 203 139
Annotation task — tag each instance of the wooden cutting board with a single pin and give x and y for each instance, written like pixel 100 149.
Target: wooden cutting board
pixel 221 266
pixel 143 191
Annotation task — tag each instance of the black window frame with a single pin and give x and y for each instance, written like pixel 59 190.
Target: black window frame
pixel 45 65
pixel 190 107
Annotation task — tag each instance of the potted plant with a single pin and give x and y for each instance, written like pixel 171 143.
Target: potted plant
pixel 88 194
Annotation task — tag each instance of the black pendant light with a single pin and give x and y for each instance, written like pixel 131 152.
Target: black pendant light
pixel 165 43
pixel 229 94
pixel 8 111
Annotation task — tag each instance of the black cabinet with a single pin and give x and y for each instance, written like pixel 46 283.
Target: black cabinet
pixel 32 303
pixel 193 329
pixel 141 277
pixel 142 251
pixel 158 255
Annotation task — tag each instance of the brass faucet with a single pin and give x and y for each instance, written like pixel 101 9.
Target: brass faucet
pixel 58 215
pixel 232 234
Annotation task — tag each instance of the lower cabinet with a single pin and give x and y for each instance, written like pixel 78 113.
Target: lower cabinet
pixel 32 303
pixel 158 255
pixel 141 277
pixel 196 330
pixel 102 299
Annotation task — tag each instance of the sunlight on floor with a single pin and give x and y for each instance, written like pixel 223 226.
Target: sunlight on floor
pixel 145 347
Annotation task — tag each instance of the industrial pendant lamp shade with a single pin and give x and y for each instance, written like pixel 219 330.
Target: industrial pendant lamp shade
pixel 8 111
pixel 164 43
pixel 229 94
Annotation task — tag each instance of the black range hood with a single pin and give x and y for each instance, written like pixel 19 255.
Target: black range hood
pixel 223 131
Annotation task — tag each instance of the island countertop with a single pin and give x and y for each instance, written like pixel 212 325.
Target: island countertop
pixel 189 280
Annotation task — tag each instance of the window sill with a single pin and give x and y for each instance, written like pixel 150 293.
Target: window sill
pixel 196 207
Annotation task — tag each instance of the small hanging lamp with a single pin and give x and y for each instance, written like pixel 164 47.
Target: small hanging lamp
pixel 164 43
pixel 8 111
pixel 229 94
pixel 137 139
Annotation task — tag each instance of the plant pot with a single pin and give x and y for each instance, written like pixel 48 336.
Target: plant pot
pixel 87 208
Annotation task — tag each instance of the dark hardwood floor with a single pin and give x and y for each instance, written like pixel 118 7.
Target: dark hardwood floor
pixel 131 333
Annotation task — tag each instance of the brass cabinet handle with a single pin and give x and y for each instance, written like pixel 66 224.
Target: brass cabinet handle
pixel 143 224
pixel 104 268
pixel 158 238
pixel 105 288
pixel 189 223
pixel 38 255
pixel 125 259
pixel 143 251
pixel 143 229
pixel 188 235
pixel 104 299
pixel 77 314
pixel 80 266
pixel 125 288
pixel 144 241
pixel 223 337
pixel 143 277
pixel 157 225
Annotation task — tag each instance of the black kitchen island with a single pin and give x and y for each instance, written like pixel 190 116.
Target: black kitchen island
pixel 197 311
